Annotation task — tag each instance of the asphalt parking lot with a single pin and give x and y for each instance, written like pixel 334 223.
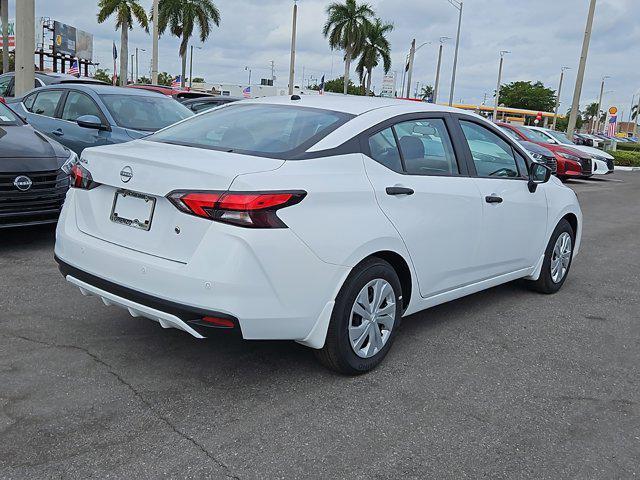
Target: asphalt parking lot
pixel 503 384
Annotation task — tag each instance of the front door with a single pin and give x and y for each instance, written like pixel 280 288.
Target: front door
pixel 433 204
pixel 74 136
pixel 514 226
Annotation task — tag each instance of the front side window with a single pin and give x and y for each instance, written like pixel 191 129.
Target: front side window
pixel 256 129
pixel 77 105
pixel 145 113
pixel 384 150
pixel 426 147
pixel 492 156
pixel 4 85
pixel 46 102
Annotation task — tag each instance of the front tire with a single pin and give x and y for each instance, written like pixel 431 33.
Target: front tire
pixel 365 319
pixel 557 259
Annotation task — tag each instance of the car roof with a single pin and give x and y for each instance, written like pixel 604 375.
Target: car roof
pixel 351 104
pixel 103 89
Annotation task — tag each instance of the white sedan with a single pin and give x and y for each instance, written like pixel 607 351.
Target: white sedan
pixel 323 220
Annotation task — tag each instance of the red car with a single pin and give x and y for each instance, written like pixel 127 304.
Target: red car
pixel 177 93
pixel 571 162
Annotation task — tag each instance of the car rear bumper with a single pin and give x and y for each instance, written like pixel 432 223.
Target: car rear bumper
pixel 276 289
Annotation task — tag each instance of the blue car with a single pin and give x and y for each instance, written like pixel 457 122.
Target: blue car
pixel 81 116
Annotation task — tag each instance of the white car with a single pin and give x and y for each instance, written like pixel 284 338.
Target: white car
pixel 603 161
pixel 319 219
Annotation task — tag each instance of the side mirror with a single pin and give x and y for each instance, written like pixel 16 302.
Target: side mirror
pixel 538 173
pixel 89 121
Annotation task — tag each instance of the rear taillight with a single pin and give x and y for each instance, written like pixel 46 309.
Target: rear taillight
pixel 244 209
pixel 81 178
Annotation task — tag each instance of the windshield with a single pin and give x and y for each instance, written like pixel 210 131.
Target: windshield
pixel 7 117
pixel 533 135
pixel 146 113
pixel 560 137
pixel 511 133
pixel 262 130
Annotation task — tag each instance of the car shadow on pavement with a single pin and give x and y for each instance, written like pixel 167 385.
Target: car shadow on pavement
pixel 38 236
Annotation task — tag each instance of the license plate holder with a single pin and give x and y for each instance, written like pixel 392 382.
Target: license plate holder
pixel 133 209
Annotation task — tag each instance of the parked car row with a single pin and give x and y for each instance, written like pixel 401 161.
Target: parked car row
pixel 572 160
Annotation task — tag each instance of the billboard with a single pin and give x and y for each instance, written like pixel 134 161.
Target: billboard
pixel 84 45
pixel 64 39
pixel 12 34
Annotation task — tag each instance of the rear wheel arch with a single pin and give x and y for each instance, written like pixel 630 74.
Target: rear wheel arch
pixel 401 267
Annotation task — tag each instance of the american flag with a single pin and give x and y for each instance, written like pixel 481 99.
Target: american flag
pixel 246 92
pixel 74 69
pixel 176 82
pixel 612 127
pixel 321 87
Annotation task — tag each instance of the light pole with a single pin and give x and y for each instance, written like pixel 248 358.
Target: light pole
pixel 412 54
pixel 457 5
pixel 436 87
pixel 245 69
pixel 4 7
pixel 495 105
pixel 555 112
pixel 191 66
pixel 575 104
pixel 137 64
pixel 154 51
pixel 25 46
pixel 132 63
pixel 292 62
pixel 597 122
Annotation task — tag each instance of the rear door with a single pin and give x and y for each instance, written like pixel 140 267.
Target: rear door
pixel 41 110
pixel 515 220
pixel 425 191
pixel 77 138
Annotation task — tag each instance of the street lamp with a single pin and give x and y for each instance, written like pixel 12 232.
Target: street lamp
pixel 495 106
pixel 555 113
pixel 137 71
pixel 412 54
pixel 458 5
pixel 248 69
pixel 191 67
pixel 597 122
pixel 437 85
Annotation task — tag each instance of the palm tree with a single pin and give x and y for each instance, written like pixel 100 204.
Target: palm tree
pixel 346 27
pixel 376 46
pixel 426 93
pixel 181 17
pixel 125 11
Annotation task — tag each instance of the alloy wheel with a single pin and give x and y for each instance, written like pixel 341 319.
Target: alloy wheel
pixel 561 257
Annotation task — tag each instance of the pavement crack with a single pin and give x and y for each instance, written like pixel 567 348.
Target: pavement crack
pixel 136 394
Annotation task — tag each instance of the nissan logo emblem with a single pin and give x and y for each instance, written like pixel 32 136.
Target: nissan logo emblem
pixel 126 174
pixel 23 183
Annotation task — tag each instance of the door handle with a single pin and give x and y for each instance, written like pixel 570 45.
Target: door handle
pixel 493 199
pixel 399 191
pixel 58 133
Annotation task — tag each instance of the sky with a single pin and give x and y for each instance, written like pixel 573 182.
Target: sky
pixel 542 35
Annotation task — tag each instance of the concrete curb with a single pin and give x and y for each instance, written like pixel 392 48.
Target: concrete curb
pixel 627 169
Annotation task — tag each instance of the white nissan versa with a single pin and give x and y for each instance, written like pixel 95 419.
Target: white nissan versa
pixel 319 219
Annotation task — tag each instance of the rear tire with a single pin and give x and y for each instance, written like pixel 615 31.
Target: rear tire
pixel 557 260
pixel 365 319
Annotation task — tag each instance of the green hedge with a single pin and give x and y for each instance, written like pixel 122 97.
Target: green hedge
pixel 627 159
pixel 633 147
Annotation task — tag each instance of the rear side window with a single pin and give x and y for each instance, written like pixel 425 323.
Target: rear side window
pixel 263 130
pixel 492 156
pixel 384 150
pixel 426 147
pixel 46 102
pixel 4 85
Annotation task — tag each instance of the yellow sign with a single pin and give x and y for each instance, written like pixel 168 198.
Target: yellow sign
pixel 613 110
pixel 58 40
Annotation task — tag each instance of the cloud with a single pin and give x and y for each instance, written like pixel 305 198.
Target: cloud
pixel 543 36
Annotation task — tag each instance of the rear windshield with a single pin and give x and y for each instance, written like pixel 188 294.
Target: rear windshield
pixel 7 117
pixel 262 130
pixel 147 113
